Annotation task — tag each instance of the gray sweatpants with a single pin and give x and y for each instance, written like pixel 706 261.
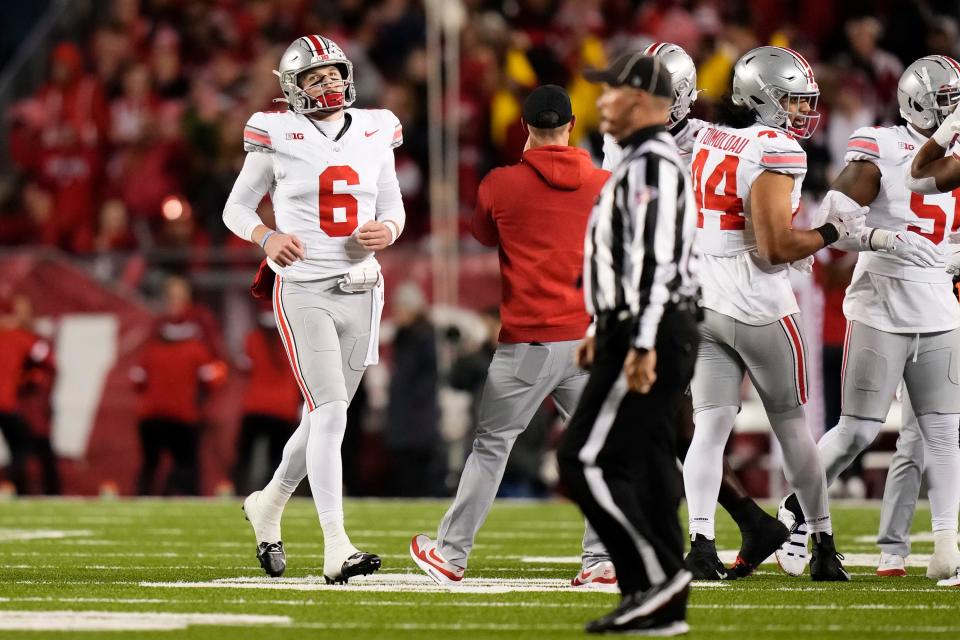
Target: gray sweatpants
pixel 520 377
pixel 902 488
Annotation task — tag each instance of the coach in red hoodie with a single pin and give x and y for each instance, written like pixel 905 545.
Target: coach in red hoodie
pixel 535 213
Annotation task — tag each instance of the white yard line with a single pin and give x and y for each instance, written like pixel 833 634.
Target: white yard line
pixel 730 555
pixel 126 620
pixel 16 535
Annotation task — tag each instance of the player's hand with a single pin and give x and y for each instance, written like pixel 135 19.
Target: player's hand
pixel 585 351
pixel 951 254
pixel 914 248
pixel 803 265
pixel 850 223
pixel 284 249
pixel 640 370
pixel 374 236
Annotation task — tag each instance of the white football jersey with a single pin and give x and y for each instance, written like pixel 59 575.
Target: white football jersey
pixel 685 137
pixel 887 292
pixel 735 280
pixel 325 189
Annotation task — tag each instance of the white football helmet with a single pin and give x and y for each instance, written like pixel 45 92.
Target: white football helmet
pixel 929 91
pixel 309 52
pixel 683 73
pixel 767 80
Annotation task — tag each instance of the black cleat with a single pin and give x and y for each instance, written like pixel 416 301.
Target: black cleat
pixel 359 564
pixel 659 611
pixel 272 558
pixel 825 563
pixel 703 562
pixel 760 541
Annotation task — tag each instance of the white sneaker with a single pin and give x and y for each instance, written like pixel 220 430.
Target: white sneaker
pixel 792 555
pixel 424 552
pixel 266 526
pixel 891 565
pixel 597 573
pixel 950 582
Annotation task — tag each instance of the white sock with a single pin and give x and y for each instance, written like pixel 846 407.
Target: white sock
pixel 292 468
pixel 328 423
pixel 840 446
pixel 703 467
pixel 802 467
pixel 940 435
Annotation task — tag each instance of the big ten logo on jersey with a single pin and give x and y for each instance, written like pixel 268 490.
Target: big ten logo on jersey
pixel 720 163
pixel 935 208
pixel 294 135
pixel 906 146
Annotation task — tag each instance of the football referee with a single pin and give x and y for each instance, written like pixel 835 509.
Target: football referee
pixel 618 457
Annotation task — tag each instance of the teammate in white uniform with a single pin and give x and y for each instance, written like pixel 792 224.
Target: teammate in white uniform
pixel 761 534
pixel 330 173
pixel 747 175
pixel 902 316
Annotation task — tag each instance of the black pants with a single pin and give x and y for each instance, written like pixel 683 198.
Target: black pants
pixel 832 396
pixel 618 457
pixel 181 440
pixel 41 449
pixel 16 432
pixel 253 428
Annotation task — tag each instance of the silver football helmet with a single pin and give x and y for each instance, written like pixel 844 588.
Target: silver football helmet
pixel 771 80
pixel 929 90
pixel 683 73
pixel 309 52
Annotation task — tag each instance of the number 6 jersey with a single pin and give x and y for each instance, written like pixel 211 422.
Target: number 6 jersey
pixel 887 292
pixel 735 280
pixel 325 188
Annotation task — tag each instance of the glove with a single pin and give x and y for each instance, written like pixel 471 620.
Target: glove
pixel 844 213
pixel 950 127
pixel 803 265
pixel 910 246
pixel 951 254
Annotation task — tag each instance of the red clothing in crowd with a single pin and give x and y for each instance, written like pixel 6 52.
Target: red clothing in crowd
pixel 20 351
pixel 170 376
pixel 271 390
pixel 833 276
pixel 536 212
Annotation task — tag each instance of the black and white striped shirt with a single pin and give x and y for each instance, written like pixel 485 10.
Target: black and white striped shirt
pixel 639 253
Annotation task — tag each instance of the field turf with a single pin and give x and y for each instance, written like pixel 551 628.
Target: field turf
pixel 186 569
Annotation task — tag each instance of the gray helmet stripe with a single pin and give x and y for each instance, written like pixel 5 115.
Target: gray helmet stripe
pixel 627 68
pixel 656 74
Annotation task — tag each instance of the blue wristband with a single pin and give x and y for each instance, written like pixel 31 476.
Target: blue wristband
pixel 263 240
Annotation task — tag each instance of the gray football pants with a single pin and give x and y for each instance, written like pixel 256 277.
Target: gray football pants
pixel 902 488
pixel 520 377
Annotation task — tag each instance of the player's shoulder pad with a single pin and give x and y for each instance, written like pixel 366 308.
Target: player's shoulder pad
pixel 383 122
pixel 779 151
pixel 866 143
pixel 260 130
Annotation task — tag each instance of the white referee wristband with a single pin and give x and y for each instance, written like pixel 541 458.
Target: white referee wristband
pixel 266 236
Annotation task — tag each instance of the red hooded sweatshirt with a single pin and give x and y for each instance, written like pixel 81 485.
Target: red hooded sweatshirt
pixel 536 213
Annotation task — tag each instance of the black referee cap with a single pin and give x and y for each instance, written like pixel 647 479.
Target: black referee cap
pixel 635 70
pixel 547 107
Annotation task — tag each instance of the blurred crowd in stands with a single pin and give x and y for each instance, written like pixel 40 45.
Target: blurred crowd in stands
pixel 132 139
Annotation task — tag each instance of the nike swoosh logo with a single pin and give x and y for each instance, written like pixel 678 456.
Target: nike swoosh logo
pixel 721 574
pixel 370 133
pixel 585 576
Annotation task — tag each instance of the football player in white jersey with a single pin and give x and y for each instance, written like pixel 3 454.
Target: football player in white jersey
pixel 747 172
pixel 903 321
pixel 329 170
pixel 761 533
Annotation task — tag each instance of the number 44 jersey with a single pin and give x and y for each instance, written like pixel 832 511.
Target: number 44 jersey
pixel 325 187
pixel 887 292
pixel 735 280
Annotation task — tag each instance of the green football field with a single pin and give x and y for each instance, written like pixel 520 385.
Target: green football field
pixel 186 569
